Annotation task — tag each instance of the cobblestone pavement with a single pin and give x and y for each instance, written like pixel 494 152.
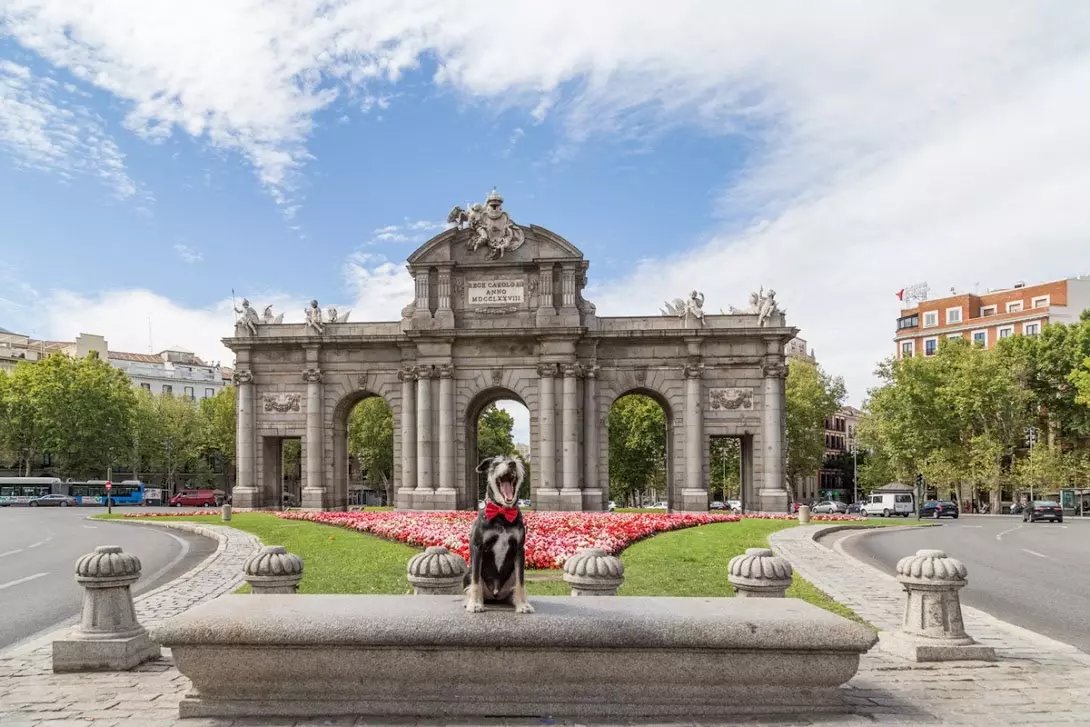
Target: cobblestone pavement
pixel 1037 681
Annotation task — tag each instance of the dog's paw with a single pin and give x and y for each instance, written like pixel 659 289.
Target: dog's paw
pixel 524 607
pixel 474 606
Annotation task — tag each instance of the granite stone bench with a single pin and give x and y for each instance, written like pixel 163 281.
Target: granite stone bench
pixel 424 656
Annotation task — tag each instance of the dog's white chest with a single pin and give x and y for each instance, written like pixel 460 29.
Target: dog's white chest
pixel 500 546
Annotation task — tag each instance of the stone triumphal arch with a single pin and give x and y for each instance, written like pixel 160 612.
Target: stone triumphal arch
pixel 498 313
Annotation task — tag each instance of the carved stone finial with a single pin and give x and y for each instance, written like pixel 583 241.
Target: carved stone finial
pixel 109 637
pixel 436 572
pixel 594 572
pixel 759 573
pixel 273 570
pixel 933 629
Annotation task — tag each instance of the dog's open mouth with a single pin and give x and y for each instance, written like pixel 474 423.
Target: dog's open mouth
pixel 507 486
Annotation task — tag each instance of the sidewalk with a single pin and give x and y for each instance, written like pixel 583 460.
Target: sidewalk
pixel 1036 681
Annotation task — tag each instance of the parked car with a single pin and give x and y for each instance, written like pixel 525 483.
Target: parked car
pixel 855 507
pixel 829 507
pixel 887 504
pixel 524 503
pixel 53 501
pixel 612 506
pixel 289 500
pixel 658 506
pixel 717 505
pixel 1017 508
pixel 733 505
pixel 1041 510
pixel 939 508
pixel 195 498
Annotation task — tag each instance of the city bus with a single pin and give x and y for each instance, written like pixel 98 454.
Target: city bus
pixel 21 490
pixel 129 492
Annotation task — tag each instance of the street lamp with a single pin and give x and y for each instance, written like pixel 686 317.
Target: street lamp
pixel 855 468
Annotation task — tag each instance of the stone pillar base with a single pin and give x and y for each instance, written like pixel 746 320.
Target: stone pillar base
pixel 571 500
pixel 316 498
pixel 108 654
pixel 594 501
pixel 434 500
pixel 246 497
pixel 772 500
pixel 691 500
pixel 403 498
pixel 916 648
pixel 547 499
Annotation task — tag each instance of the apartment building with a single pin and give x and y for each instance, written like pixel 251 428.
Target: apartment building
pixel 839 435
pixel 990 317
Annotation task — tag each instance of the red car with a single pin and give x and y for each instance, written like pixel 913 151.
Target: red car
pixel 195 498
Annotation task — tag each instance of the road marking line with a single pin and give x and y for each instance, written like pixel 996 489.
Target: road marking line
pixel 35 545
pixel 1034 552
pixel 1000 536
pixel 17 581
pixel 91 527
pixel 11 552
pixel 972 526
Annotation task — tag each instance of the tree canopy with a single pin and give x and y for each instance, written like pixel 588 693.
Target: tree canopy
pixel 637 446
pixel 811 397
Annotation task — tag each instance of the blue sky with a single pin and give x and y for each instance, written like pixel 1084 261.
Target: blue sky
pixel 154 156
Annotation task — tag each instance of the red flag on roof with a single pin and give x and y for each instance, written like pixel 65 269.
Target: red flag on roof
pixel 901 294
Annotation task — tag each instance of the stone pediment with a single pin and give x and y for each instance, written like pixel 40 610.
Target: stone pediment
pixel 456 246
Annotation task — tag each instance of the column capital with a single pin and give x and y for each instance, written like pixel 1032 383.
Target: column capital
pixel 243 377
pixel 774 370
pixel 312 376
pixel 572 370
pixel 546 370
pixel 446 371
pixel 406 373
pixel 694 370
pixel 425 372
pixel 591 370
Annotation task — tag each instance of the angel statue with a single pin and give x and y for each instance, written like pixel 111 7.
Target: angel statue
pixel 767 308
pixel 269 319
pixel 335 317
pixel 683 309
pixel 490 226
pixel 313 318
pixel 248 319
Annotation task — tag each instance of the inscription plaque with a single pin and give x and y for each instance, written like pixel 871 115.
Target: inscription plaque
pixel 503 291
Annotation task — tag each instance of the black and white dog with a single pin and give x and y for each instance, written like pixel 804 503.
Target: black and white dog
pixel 497 556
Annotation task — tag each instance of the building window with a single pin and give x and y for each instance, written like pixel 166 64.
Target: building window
pixel 189 392
pixel 930 319
pixel 1015 306
pixel 930 346
pixel 1041 302
pixel 1031 329
pixel 908 348
pixel 988 310
pixel 1006 332
pixel 954 336
pixel 908 322
pixel 145 387
pixel 168 389
pixel 209 393
pixel 953 315
pixel 980 338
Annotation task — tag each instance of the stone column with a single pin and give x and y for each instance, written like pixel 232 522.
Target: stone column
pixel 245 491
pixel 593 497
pixel 447 494
pixel 408 436
pixel 444 290
pixel 570 494
pixel 567 286
pixel 546 287
pixel 772 495
pixel 314 489
pixel 422 292
pixel 546 464
pixel 424 482
pixel 694 496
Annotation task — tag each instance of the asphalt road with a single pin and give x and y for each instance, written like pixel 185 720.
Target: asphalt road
pixel 1034 575
pixel 38 551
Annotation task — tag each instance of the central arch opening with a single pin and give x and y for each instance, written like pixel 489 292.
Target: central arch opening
pixel 497 423
pixel 363 450
pixel 639 451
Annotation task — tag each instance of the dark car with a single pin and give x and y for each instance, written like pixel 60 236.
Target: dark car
pixel 854 508
pixel 1043 510
pixel 939 508
pixel 53 501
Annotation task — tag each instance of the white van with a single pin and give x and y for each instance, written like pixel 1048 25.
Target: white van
pixel 888 504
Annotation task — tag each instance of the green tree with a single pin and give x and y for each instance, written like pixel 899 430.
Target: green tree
pixel 637 447
pixel 22 428
pixel 168 438
pixel 371 441
pixel 495 433
pixel 725 455
pixel 218 422
pixel 812 396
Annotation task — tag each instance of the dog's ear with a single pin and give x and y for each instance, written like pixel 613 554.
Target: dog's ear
pixel 485 464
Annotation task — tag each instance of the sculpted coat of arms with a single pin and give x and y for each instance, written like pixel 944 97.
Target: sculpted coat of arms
pixel 489 226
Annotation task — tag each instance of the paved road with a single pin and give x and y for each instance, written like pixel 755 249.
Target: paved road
pixel 1034 575
pixel 39 548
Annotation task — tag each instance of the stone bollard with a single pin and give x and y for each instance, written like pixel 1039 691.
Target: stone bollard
pixel 108 638
pixel 436 572
pixel 273 570
pixel 932 629
pixel 225 516
pixel 594 572
pixel 804 514
pixel 759 574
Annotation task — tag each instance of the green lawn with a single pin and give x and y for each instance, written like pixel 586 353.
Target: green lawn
pixel 690 562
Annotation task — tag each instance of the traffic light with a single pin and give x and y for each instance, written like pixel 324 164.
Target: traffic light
pixel 919 480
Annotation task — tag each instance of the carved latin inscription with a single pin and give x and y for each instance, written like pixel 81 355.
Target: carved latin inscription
pixel 282 403
pixel 503 291
pixel 740 398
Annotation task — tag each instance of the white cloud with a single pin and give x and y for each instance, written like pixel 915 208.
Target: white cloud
pixel 521 431
pixel 413 232
pixel 42 130
pixel 381 288
pixel 188 254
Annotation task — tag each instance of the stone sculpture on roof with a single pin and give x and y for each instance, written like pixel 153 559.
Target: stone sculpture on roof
pixel 247 320
pixel 313 321
pixel 490 225
pixel 683 309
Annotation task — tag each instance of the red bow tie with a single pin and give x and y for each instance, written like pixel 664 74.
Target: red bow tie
pixel 491 510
